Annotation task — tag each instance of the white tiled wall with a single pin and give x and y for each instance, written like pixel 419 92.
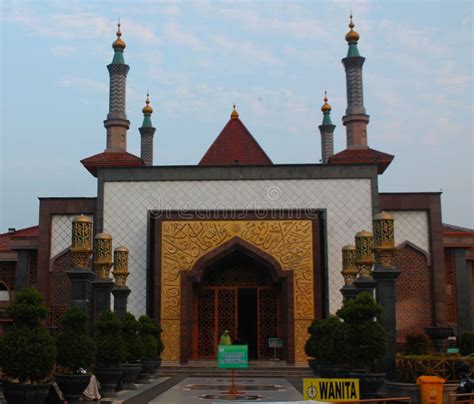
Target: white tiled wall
pixel 348 203
pixel 61 228
pixel 412 226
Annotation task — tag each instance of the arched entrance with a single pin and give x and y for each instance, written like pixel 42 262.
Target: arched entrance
pixel 236 294
pixel 239 288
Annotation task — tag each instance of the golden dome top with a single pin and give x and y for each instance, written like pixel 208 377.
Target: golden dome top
pixel 121 249
pixel 349 247
pixel 83 219
pixel 383 216
pixel 147 109
pixel 119 43
pixel 352 36
pixel 234 114
pixel 364 233
pixel 103 236
pixel 326 107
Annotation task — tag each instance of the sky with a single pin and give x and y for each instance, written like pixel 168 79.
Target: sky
pixel 274 59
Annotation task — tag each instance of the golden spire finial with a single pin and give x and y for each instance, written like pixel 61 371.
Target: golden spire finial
pixel 147 109
pixel 326 107
pixel 119 43
pixel 352 36
pixel 234 114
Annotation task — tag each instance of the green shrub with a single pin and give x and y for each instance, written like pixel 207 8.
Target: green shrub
pixel 133 342
pixel 76 349
pixel 111 348
pixel 417 344
pixel 325 341
pixel 466 343
pixel 150 334
pixel 364 338
pixel 27 351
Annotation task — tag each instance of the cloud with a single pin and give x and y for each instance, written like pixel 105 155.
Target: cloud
pixel 245 49
pixel 63 50
pixel 179 35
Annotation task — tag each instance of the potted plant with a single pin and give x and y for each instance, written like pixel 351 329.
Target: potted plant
pixel 150 349
pixel 27 351
pixel 76 353
pixel 324 346
pixel 364 341
pixel 416 344
pixel 159 345
pixel 135 351
pixel 466 343
pixel 111 352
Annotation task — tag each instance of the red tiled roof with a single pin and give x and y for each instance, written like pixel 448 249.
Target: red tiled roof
pixel 235 146
pixel 32 231
pixel 362 156
pixel 451 228
pixel 111 159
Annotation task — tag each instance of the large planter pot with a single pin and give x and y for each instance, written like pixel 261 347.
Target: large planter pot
pixel 130 374
pixel 109 379
pixel 328 371
pixel 72 386
pixel 314 365
pixel 438 336
pixel 369 383
pixel 19 393
pixel 147 370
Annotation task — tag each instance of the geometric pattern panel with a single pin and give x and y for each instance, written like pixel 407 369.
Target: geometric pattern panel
pixel 61 233
pixel 412 226
pixel 413 292
pixel 126 205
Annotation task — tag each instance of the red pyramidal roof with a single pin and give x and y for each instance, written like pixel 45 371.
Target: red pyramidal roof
pixel 111 159
pixel 235 146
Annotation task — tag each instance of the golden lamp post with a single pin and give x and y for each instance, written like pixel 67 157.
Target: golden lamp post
pixel 120 271
pixel 81 243
pixel 103 255
pixel 384 239
pixel 349 268
pixel 364 254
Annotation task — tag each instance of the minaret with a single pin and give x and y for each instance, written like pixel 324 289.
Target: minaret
pixel 117 123
pixel 147 132
pixel 356 119
pixel 327 131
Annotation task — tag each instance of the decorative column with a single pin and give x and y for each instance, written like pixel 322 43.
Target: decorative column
pixel 356 118
pixel 117 123
pixel 364 261
pixel 327 132
pixel 385 275
pixel 349 271
pixel 102 264
pixel 120 273
pixel 80 274
pixel 147 131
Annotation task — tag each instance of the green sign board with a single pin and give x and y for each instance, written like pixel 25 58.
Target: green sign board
pixel 275 343
pixel 232 356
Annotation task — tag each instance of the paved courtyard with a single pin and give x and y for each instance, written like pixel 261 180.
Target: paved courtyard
pixel 215 390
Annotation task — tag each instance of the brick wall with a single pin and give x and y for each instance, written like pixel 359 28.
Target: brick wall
pixel 413 290
pixel 59 288
pixel 450 278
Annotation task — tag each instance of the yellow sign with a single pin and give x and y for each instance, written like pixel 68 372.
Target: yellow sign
pixel 330 390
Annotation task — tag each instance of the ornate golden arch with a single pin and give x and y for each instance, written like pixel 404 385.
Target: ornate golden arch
pixel 184 242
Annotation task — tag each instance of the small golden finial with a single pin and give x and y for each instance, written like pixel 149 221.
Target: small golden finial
pixel 119 43
pixel 234 114
pixel 326 107
pixel 147 109
pixel 352 36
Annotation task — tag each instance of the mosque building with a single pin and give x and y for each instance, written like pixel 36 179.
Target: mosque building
pixel 237 242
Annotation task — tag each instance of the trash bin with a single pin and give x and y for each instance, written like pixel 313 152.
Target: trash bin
pixel 431 389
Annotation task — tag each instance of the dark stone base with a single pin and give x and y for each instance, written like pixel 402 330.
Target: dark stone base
pixel 19 393
pixel 369 383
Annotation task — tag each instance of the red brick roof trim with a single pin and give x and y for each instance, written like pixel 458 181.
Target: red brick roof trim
pixel 111 159
pixel 32 231
pixel 363 156
pixel 235 145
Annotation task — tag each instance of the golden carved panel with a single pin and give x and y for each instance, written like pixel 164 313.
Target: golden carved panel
pixel 184 242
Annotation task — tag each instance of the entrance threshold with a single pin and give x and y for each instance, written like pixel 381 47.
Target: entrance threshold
pixel 213 363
